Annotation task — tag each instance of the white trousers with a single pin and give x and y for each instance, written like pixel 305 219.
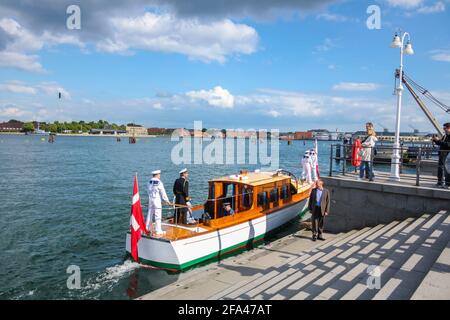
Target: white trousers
pixel 154 213
pixel 306 173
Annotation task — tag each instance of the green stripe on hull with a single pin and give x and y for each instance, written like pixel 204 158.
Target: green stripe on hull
pixel 213 255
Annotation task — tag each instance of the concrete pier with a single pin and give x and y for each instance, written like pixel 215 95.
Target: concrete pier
pixel 358 204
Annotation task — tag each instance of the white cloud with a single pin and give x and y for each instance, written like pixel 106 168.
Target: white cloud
pixel 326 45
pixel 212 41
pixel 441 55
pixel 332 17
pixel 12 111
pixel 217 97
pixel 20 61
pixel 436 8
pixel 157 105
pixel 53 89
pixel 21 44
pixel 17 87
pixel 356 86
pixel 274 113
pixel 406 4
pixel 47 88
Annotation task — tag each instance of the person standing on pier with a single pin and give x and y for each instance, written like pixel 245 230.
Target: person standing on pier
pixel 181 192
pixel 444 149
pixel 367 153
pixel 319 206
pixel 306 167
pixel 156 193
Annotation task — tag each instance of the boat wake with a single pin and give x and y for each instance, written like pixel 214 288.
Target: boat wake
pixel 106 280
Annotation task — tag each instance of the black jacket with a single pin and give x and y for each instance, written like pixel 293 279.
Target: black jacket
pixel 181 190
pixel 444 143
pixel 324 202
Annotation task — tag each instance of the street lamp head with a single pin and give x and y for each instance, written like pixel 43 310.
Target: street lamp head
pixel 408 49
pixel 396 42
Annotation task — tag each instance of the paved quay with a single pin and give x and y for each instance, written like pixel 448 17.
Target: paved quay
pixel 403 259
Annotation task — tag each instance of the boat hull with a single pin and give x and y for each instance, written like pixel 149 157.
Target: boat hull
pixel 185 253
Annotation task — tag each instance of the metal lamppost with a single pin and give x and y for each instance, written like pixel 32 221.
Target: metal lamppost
pixel 399 42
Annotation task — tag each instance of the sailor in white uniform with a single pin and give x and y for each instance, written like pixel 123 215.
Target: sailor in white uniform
pixel 306 167
pixel 313 159
pixel 156 193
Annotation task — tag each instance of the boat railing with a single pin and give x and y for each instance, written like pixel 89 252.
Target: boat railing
pixel 417 160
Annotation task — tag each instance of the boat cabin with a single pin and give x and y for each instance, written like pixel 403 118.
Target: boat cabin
pixel 248 192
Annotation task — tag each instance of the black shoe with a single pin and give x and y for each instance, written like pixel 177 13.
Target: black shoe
pixel 321 238
pixel 314 238
pixel 439 185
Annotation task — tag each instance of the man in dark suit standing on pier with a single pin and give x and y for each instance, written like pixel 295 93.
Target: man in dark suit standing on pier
pixel 181 192
pixel 319 206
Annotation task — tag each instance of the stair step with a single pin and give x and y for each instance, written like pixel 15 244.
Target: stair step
pixel 436 284
pixel 316 288
pixel 388 258
pixel 347 281
pixel 248 284
pixel 296 279
pixel 407 279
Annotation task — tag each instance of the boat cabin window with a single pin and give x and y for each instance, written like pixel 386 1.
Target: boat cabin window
pixel 274 195
pixel 284 192
pixel 262 199
pixel 246 197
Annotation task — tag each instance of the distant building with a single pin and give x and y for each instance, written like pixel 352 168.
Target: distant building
pixel 136 131
pixel 11 126
pixel 107 131
pixel 390 136
pixel 181 132
pixel 334 136
pixel 159 131
pixel 320 134
pixel 303 135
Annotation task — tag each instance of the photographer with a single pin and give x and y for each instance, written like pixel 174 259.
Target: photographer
pixel 444 149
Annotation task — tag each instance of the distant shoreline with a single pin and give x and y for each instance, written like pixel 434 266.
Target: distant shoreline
pixel 83 135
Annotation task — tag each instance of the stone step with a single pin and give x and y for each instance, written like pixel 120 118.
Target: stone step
pixel 406 280
pixel 436 284
pixel 336 263
pixel 307 271
pixel 304 262
pixel 379 248
pixel 248 283
pixel 393 254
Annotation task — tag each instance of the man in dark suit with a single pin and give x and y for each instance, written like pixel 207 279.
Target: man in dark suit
pixel 181 192
pixel 319 206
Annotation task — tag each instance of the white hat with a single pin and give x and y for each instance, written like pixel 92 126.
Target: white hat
pixel 183 170
pixel 156 172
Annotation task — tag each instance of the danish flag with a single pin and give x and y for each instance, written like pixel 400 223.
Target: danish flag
pixel 136 221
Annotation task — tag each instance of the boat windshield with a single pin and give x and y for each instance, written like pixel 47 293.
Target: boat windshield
pixel 224 196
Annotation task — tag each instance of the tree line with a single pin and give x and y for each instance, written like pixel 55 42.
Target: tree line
pixel 73 126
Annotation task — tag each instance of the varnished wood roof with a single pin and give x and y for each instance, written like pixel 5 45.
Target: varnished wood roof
pixel 253 178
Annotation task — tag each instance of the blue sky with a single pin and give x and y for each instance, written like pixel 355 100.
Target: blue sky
pixel 291 65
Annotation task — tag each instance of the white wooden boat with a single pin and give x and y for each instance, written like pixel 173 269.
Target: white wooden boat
pixel 262 201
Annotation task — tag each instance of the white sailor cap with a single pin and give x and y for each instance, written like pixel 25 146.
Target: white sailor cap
pixel 156 172
pixel 183 170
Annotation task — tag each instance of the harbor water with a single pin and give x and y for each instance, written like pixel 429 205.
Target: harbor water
pixel 68 203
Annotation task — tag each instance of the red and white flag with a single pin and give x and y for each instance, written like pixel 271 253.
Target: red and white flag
pixel 136 221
